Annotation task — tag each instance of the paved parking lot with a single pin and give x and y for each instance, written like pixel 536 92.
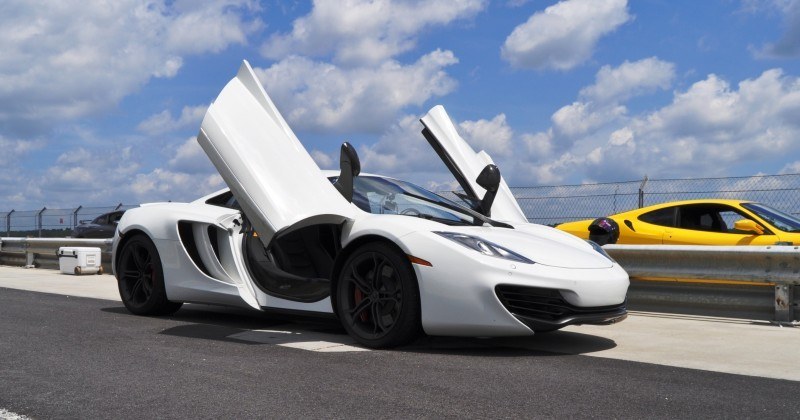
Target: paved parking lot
pixel 72 350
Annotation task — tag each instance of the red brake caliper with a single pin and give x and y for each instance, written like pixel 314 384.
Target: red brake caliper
pixel 359 296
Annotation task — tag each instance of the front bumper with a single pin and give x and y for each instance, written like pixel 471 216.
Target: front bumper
pixel 543 309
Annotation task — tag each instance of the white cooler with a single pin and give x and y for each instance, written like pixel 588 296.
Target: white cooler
pixel 79 260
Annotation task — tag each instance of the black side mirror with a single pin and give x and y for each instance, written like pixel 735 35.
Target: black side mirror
pixel 489 179
pixel 350 167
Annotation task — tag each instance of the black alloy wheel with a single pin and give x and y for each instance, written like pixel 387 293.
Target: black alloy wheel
pixel 141 279
pixel 378 297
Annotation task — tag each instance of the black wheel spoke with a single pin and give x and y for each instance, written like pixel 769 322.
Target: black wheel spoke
pixel 135 289
pixel 360 282
pixel 377 319
pixel 359 309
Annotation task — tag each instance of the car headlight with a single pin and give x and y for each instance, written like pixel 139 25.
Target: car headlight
pixel 600 249
pixel 484 247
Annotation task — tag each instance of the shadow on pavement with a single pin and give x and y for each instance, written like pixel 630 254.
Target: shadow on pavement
pixel 244 326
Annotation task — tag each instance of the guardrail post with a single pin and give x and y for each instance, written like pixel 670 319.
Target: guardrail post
pixel 8 223
pixel 784 302
pixel 39 221
pixel 75 217
pixel 29 255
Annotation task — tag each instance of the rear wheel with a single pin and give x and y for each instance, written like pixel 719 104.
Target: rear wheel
pixel 141 279
pixel 378 298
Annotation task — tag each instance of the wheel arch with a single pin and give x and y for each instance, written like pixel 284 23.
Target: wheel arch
pixel 348 250
pixel 124 239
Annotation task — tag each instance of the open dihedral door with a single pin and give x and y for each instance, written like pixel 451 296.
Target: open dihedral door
pixel 466 165
pixel 276 182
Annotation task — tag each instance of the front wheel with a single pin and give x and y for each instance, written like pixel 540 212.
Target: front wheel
pixel 141 279
pixel 377 297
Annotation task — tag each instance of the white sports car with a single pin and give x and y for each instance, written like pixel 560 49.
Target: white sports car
pixel 388 258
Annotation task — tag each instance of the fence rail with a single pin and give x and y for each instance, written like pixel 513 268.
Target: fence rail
pixel 557 204
pixel 46 222
pixel 726 265
pixel 547 205
pixel 777 266
pixel 41 252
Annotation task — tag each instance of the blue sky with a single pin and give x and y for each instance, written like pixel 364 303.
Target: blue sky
pixel 100 103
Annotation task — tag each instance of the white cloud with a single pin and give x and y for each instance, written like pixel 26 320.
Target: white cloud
pixel 788 46
pixel 563 35
pixel 365 32
pixel 163 122
pixel 321 96
pixel 190 158
pixel 630 79
pixel 72 58
pixel 706 130
pixel 13 149
pixel 323 160
pixel 493 136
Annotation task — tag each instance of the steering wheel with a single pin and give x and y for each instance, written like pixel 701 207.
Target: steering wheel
pixel 410 212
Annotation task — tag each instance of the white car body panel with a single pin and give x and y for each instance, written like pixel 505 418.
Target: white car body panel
pixel 274 178
pixel 280 189
pixel 471 164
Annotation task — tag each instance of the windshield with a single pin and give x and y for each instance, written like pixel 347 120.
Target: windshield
pixel 379 195
pixel 777 218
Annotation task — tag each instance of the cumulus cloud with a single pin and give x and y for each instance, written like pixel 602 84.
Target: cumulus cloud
pixel 630 79
pixel 163 122
pixel 493 136
pixel 85 176
pixel 705 130
pixel 190 158
pixel 72 58
pixel 788 46
pixel 563 35
pixel 14 148
pixel 363 32
pixel 322 96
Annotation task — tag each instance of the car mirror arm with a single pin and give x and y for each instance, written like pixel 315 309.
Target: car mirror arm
pixel 350 167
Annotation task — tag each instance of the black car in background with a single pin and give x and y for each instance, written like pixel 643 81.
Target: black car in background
pixel 102 226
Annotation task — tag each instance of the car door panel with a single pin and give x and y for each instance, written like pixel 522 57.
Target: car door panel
pixel 466 164
pixel 274 179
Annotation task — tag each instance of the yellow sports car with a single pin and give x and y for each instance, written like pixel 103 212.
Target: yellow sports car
pixel 697 222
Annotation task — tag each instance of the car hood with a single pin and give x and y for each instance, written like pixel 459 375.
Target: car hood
pixel 544 245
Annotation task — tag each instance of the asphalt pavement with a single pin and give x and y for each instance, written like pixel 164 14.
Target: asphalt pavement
pixel 67 356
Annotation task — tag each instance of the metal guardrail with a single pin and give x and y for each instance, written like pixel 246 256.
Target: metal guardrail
pixel 776 265
pixel 41 252
pixel 705 275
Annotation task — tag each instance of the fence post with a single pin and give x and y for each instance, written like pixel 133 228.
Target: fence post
pixel 641 191
pixel 118 206
pixel 8 223
pixel 39 220
pixel 75 217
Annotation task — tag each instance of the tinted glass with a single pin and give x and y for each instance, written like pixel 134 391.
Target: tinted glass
pixel 660 217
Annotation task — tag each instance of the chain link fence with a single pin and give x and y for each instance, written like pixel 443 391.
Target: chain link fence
pixel 547 205
pixel 50 223
pixel 551 205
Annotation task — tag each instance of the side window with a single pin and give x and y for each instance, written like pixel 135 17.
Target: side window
pixel 100 220
pixel 660 217
pixel 709 217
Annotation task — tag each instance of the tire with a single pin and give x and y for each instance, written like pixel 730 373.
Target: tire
pixel 140 278
pixel 383 310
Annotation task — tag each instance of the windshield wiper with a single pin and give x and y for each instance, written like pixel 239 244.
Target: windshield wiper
pixel 472 213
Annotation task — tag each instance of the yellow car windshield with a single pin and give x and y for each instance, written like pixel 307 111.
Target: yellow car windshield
pixel 779 219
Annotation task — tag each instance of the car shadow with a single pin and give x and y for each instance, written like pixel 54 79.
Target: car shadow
pixel 243 326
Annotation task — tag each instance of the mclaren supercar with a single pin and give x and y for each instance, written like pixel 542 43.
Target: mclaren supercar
pixel 390 259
